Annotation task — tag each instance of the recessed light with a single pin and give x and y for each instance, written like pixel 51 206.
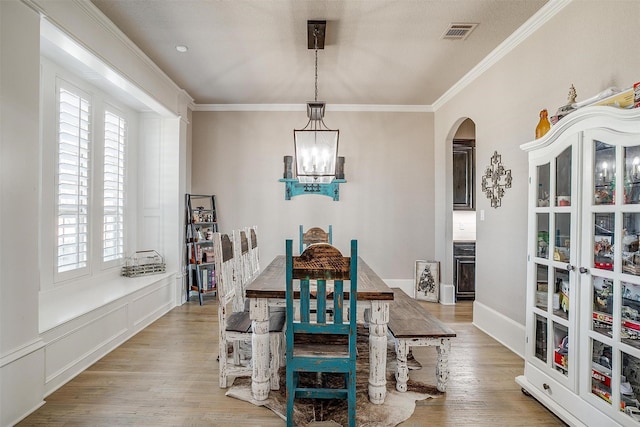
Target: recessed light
pixel 182 48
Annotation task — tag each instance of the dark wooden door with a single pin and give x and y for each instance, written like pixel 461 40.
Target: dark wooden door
pixel 463 175
pixel 464 273
pixel 466 277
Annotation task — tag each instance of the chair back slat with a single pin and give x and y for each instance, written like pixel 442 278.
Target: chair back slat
pixel 226 247
pixel 321 302
pixel 338 301
pixel 254 253
pixel 244 242
pixel 305 302
pixel 253 237
pixel 225 267
pixel 243 267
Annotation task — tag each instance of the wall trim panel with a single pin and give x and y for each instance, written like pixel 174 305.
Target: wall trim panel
pixel 84 343
pixel 151 306
pixel 110 325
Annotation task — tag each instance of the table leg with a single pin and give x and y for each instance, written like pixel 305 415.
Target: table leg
pixel 442 367
pixel 379 317
pixel 260 375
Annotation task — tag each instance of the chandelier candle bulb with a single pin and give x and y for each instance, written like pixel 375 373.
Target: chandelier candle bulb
pixel 288 167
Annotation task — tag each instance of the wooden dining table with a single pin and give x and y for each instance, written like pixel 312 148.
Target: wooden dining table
pixel 269 290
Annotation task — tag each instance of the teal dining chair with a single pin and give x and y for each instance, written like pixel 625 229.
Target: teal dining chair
pixel 315 235
pixel 317 346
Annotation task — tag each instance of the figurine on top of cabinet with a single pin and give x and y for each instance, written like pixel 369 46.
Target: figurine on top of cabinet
pixel 567 108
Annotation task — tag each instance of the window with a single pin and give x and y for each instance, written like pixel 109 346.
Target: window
pixel 113 196
pixel 89 195
pixel 73 180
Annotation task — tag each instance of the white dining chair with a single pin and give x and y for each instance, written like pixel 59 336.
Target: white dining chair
pixel 234 327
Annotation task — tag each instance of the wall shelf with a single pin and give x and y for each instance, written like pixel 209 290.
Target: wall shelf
pixel 294 188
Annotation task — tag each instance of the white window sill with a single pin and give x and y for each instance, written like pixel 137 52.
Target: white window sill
pixel 65 303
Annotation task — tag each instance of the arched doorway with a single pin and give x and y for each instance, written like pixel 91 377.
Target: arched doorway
pixel 463 211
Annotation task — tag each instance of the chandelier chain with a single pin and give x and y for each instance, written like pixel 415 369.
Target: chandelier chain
pixel 315 37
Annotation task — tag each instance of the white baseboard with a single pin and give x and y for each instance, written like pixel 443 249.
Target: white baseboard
pixel 22 373
pixel 503 329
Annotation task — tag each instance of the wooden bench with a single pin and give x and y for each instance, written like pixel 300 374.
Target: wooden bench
pixel 412 325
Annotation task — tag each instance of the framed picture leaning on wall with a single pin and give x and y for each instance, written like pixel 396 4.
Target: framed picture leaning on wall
pixel 427 278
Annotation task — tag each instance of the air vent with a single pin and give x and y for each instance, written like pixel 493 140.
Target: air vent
pixel 458 31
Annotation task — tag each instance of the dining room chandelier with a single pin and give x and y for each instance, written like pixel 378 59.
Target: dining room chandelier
pixel 316 146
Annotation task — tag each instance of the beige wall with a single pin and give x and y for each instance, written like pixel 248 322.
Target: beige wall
pixel 504 103
pixel 387 203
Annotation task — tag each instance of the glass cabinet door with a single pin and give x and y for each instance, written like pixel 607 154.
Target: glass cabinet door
pixel 610 253
pixel 554 297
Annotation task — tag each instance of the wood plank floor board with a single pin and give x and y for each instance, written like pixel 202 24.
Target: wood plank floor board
pixel 167 375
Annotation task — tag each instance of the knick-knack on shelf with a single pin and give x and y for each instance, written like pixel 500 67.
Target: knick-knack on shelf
pixel 543 125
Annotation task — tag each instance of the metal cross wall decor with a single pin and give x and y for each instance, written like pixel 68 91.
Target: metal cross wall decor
pixel 495 180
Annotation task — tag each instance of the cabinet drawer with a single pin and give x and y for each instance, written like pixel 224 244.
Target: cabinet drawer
pixel 562 401
pixel 464 249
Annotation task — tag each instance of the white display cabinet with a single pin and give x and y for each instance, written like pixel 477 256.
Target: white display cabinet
pixel 582 357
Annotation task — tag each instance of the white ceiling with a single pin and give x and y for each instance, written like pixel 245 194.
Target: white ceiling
pixel 377 52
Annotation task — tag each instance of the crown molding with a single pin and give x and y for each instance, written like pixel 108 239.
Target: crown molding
pixel 303 107
pixel 541 17
pixel 33 5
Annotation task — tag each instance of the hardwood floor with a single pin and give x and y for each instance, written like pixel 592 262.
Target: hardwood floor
pixel 167 375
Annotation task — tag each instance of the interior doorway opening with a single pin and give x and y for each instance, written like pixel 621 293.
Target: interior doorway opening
pixel 463 212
